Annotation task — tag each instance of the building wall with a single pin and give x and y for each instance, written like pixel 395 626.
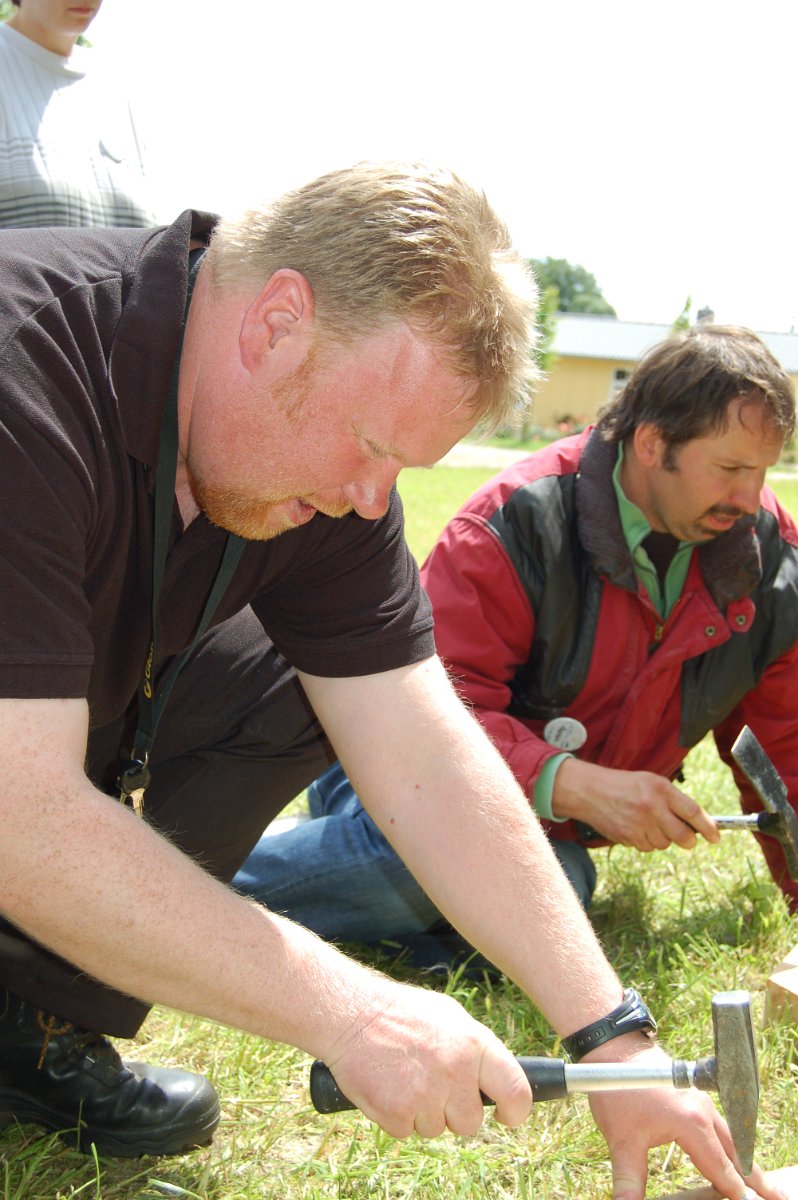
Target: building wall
pixel 575 389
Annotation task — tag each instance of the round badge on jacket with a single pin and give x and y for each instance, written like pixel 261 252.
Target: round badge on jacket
pixel 566 733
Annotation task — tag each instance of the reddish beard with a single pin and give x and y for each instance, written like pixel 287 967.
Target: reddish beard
pixel 260 519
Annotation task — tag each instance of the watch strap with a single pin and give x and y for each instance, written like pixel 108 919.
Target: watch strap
pixel 631 1015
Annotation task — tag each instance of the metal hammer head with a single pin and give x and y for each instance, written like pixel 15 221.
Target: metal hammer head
pixel 769 786
pixel 736 1071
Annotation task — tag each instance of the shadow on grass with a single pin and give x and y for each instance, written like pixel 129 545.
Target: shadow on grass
pixel 632 914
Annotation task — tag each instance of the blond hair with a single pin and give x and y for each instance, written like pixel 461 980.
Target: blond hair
pixel 384 242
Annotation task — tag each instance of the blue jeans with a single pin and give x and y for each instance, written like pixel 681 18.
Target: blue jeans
pixel 339 876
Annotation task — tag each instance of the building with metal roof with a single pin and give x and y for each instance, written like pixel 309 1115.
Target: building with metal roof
pixel 593 357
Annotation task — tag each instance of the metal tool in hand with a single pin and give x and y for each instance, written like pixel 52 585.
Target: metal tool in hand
pixel 779 818
pixel 732 1072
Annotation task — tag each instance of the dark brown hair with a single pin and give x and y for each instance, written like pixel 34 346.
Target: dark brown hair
pixel 684 386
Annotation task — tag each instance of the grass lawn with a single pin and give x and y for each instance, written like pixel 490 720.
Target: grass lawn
pixel 431 496
pixel 787 492
pixel 677 925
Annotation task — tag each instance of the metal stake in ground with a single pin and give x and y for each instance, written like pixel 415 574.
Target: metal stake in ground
pixel 732 1072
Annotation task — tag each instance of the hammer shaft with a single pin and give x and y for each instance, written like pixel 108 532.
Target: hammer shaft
pixel 764 822
pixel 554 1079
pixel 611 1077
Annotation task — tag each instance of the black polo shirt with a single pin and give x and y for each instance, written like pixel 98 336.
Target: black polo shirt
pixel 89 330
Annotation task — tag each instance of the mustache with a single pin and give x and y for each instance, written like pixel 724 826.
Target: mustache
pixel 725 510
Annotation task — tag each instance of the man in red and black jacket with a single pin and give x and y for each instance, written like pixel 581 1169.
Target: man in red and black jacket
pixel 601 605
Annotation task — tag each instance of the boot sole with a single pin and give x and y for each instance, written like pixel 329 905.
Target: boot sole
pixel 122 1143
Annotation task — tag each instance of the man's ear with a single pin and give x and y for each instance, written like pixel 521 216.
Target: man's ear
pixel 283 308
pixel 649 444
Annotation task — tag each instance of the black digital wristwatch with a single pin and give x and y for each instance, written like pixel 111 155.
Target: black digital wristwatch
pixel 629 1016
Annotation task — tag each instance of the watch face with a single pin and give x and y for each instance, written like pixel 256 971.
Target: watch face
pixel 636 1015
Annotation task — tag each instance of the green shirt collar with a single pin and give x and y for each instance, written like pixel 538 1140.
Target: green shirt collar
pixel 635 530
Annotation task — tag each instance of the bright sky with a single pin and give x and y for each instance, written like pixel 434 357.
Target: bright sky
pixel 651 141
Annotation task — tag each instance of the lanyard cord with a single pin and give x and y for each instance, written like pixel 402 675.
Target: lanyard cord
pixel 136 776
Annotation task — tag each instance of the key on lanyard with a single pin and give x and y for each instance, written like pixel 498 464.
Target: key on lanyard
pixel 133 783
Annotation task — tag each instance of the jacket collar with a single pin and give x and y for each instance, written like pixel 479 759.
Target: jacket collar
pixel 731 564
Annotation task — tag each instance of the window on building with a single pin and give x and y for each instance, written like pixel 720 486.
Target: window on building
pixel 618 381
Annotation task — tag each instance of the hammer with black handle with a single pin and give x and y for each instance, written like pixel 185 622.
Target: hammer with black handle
pixel 778 820
pixel 732 1072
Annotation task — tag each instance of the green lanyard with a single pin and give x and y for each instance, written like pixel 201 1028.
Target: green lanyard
pixel 135 778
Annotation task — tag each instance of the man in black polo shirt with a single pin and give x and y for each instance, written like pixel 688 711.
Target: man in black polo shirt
pixel 361 324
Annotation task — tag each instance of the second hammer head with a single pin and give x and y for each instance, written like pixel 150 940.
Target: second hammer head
pixel 737 1070
pixel 752 760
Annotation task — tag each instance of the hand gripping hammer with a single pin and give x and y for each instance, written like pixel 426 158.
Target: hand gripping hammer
pixel 779 818
pixel 732 1072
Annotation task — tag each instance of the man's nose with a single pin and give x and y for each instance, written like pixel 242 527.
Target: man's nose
pixel 747 492
pixel 370 497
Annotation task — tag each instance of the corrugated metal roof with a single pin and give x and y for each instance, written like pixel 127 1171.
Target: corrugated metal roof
pixel 785 347
pixel 581 335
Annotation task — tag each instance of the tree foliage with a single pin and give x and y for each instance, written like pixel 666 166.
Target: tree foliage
pixel 577 290
pixel 684 320
pixel 547 325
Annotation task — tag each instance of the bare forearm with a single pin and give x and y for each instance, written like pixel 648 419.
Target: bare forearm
pixel 464 828
pixel 114 897
pixel 137 914
pixel 122 903
pixel 502 887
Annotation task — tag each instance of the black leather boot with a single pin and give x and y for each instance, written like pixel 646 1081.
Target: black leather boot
pixel 74 1083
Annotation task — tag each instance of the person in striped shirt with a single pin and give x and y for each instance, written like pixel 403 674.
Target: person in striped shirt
pixel 70 152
